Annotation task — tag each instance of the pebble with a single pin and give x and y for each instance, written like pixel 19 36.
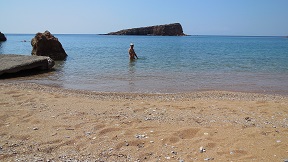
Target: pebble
pixel 248 119
pixel 35 128
pixel 201 150
pixel 207 159
pixel 140 136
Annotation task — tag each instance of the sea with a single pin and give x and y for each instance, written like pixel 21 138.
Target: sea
pixel 166 64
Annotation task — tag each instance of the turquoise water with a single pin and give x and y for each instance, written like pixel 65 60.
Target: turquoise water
pixel 165 64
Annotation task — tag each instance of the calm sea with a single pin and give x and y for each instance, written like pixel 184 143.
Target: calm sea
pixel 165 64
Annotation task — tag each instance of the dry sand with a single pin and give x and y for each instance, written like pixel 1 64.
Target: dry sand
pixel 39 123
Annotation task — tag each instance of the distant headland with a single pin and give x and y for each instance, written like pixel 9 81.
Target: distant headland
pixel 2 37
pixel 174 29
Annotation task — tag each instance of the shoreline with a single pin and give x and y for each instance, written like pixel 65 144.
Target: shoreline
pixel 205 94
pixel 38 78
pixel 47 123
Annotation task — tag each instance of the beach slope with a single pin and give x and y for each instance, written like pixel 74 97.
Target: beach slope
pixel 45 123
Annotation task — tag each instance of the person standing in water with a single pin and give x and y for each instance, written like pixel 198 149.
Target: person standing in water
pixel 131 52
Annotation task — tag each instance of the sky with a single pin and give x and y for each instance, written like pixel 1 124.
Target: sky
pixel 197 17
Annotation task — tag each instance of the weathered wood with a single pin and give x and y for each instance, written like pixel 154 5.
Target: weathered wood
pixel 10 63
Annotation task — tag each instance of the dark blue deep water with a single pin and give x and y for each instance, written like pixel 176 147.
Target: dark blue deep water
pixel 165 64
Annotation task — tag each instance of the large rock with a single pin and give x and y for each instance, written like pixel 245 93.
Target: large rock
pixel 159 30
pixel 45 44
pixel 16 63
pixel 2 37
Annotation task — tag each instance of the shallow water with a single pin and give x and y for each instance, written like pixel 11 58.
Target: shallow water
pixel 165 64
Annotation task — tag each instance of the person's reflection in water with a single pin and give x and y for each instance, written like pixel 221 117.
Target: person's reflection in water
pixel 132 70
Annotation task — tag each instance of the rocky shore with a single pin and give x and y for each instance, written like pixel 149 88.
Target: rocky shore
pixel 41 123
pixel 15 63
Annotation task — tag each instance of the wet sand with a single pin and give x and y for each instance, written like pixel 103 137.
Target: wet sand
pixel 40 123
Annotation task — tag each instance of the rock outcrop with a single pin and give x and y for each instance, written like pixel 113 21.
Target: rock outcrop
pixel 45 44
pixel 2 37
pixel 158 30
pixel 15 63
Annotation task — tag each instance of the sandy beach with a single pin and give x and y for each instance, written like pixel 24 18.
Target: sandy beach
pixel 41 123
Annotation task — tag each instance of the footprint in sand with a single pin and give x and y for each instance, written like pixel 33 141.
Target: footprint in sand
pixel 171 140
pixel 187 133
pixel 180 135
pixel 11 92
pixel 108 130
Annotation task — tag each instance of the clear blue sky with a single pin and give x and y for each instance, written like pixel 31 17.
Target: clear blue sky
pixel 198 17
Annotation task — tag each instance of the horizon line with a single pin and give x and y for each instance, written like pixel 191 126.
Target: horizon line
pixel 227 35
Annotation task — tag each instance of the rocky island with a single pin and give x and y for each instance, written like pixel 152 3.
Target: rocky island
pixel 2 37
pixel 174 29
